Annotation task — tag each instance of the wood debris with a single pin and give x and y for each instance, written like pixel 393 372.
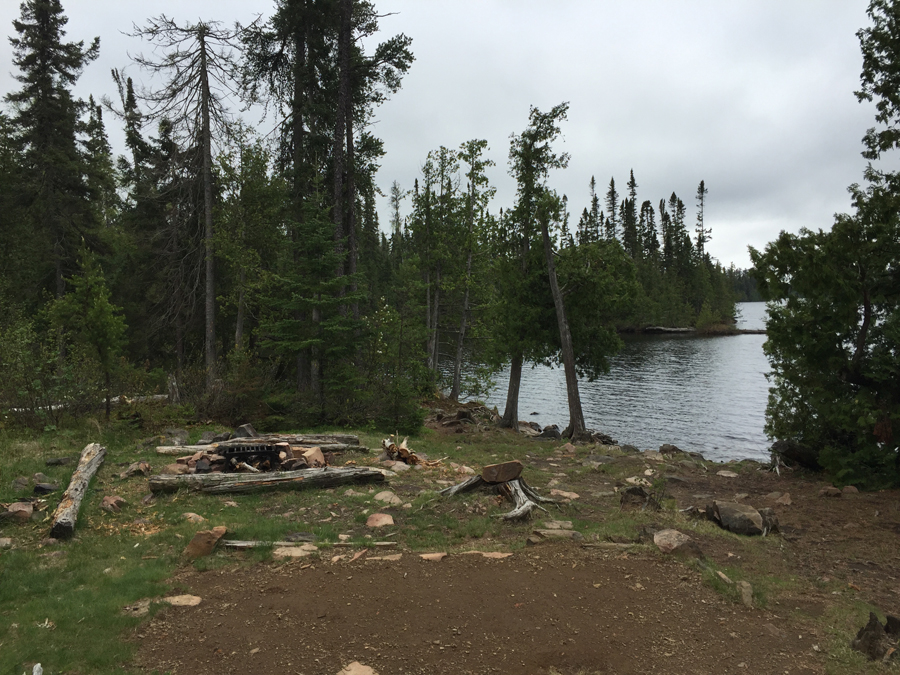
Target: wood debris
pixel 402 453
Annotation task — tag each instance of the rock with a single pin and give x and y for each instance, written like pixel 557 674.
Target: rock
pixel 533 540
pixel 746 591
pixel 594 461
pixel 784 500
pixel 41 478
pixel 20 511
pixel 633 495
pixel 45 488
pixel 202 466
pixel 388 497
pixel 850 490
pixel 142 468
pixel 501 473
pixel 668 541
pixel 739 518
pixel 193 518
pixel 59 461
pixel 724 577
pixel 245 431
pixel 112 503
pixel 314 457
pixel 434 557
pixel 398 466
pixel 379 520
pixel 740 496
pixel 21 484
pixel 772 496
pixel 5 542
pixel 206 438
pixel 356 668
pixel 873 641
pixel 565 495
pixel 140 608
pixel 569 448
pixel 602 439
pixel 830 492
pixel 204 542
pixel 183 600
pixel 669 449
pixel 726 474
pixel 678 480
pixel 301 551
pixel 551 431
pixel 558 524
pixel 176 469
pixel 464 470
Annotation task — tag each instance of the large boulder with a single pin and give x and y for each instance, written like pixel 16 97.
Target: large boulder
pixel 738 518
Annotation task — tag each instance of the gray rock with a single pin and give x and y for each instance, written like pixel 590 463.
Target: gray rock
pixel 5 542
pixel 669 449
pixel 21 484
pixel 551 431
pixel 672 478
pixel 245 431
pixel 45 488
pixel 41 478
pixel 739 518
pixel 597 460
pixel 629 449
pixel 59 461
pixel 746 593
pixel 770 521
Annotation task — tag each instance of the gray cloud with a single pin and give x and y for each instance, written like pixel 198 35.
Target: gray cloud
pixel 753 96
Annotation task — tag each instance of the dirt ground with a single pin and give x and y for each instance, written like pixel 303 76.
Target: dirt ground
pixel 558 608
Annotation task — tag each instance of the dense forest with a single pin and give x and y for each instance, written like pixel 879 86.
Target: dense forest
pixel 250 277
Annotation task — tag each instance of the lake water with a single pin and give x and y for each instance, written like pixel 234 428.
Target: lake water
pixel 703 394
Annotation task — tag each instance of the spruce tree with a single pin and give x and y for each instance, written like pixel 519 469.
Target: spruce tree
pixel 612 204
pixel 46 122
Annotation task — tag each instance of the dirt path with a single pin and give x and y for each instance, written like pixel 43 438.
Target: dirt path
pixel 556 609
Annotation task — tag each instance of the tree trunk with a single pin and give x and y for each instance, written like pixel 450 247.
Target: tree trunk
pixel 576 427
pixel 510 418
pixel 234 483
pixel 63 524
pixel 239 321
pixel 340 132
pixel 352 243
pixel 206 133
pixel 457 365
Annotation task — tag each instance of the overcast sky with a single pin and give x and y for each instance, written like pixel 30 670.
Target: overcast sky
pixel 755 97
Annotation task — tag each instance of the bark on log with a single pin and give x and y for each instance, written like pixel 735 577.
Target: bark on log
pixel 63 524
pixel 232 483
pixel 179 450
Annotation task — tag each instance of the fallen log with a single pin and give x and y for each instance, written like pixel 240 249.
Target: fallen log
pixel 63 523
pixel 179 450
pixel 233 483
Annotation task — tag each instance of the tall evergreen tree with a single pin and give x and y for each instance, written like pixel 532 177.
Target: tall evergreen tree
pixel 703 232
pixel 612 205
pixel 46 121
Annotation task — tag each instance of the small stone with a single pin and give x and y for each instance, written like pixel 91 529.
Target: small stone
pixel 434 557
pixel 344 537
pixel 112 503
pixel 830 492
pixel 204 542
pixel 230 504
pixel 726 474
pixel 45 488
pixel 772 496
pixel 148 499
pixel 668 541
pixel 142 468
pixel 379 520
pixel 140 608
pixel 739 518
pixel 5 542
pixel 20 511
pixel 253 651
pixel 388 497
pixel 193 518
pixel 784 500
pixel 746 593
pixel 394 557
pixel 563 494
pixel 558 524
pixel 740 496
pixel 356 668
pixel 41 478
pixel 183 600
pixel 568 447
pixel 301 551
pixel 21 484
pixel 850 490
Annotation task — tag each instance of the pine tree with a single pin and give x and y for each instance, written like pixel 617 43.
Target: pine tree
pixel 703 232
pixel 612 205
pixel 46 121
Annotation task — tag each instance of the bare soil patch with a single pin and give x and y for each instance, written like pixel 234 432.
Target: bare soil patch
pixel 557 607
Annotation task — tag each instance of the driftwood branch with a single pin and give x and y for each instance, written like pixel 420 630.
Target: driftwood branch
pixel 231 483
pixel 63 525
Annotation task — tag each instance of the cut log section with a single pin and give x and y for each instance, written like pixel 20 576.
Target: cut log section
pixel 63 524
pixel 518 491
pixel 235 483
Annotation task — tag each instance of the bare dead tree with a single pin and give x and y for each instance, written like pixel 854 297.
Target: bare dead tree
pixel 197 65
